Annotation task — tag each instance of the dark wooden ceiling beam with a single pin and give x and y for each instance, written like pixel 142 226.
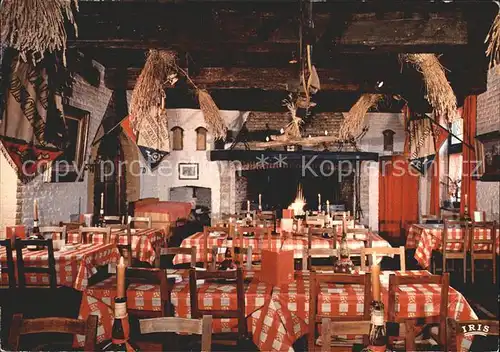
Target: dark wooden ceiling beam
pixel 164 26
pixel 270 100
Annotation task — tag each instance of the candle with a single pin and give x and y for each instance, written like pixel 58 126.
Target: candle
pixel 327 207
pixel 35 209
pixel 102 200
pixel 319 202
pixel 120 279
pixel 248 206
pixel 375 271
pixel 260 201
pixel 465 198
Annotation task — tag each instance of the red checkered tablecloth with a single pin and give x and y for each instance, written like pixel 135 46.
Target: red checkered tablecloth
pixel 196 240
pixel 73 268
pixel 98 300
pixel 144 241
pixel 295 243
pixel 298 244
pixel 220 296
pixel 427 237
pixel 284 319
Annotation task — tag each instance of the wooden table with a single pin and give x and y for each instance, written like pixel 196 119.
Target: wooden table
pixel 278 316
pixel 73 268
pixel 425 238
pixel 295 243
pixel 144 241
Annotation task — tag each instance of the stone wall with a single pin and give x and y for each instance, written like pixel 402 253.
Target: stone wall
pixel 167 174
pixel 8 194
pixel 373 141
pixel 58 200
pixel 488 120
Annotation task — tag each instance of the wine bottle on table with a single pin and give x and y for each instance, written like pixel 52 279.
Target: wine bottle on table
pixel 344 264
pixel 36 229
pixel 120 333
pixel 377 338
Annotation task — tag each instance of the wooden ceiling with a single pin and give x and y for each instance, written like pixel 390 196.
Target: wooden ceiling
pixel 240 50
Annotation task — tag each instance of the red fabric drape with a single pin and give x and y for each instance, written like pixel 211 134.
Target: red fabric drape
pixel 468 185
pixel 398 195
pixel 435 206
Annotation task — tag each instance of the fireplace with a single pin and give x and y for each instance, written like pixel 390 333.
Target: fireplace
pixel 197 196
pixel 279 188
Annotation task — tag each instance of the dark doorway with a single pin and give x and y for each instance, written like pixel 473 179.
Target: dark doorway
pixel 109 177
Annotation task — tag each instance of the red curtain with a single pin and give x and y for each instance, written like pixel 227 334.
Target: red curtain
pixel 398 195
pixel 468 185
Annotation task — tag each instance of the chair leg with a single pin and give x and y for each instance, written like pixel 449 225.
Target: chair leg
pixel 465 268
pixel 494 268
pixel 473 268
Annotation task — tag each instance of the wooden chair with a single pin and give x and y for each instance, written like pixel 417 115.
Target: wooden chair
pixel 9 266
pixel 263 235
pixel 310 253
pixel 471 327
pixel 21 327
pixel 448 241
pixel 71 225
pixel 180 250
pixel 240 253
pixel 22 269
pixel 330 328
pixel 440 320
pixel 85 234
pixel 151 276
pixel 314 289
pixel 138 219
pixel 479 216
pixel 54 230
pixel 430 219
pixel 481 242
pixel 318 232
pixel 113 220
pixel 201 327
pixel 238 313
pixel 317 221
pixel 124 248
pixel 267 218
pixel 384 252
pixel 206 233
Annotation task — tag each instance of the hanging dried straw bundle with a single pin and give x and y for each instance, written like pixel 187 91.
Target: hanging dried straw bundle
pixel 493 40
pixel 34 27
pixel 439 92
pixel 293 128
pixel 354 119
pixel 149 89
pixel 216 125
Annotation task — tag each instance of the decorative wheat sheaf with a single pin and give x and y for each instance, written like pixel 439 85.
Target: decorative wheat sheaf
pixel 354 119
pixel 149 89
pixel 216 125
pixel 36 27
pixel 493 41
pixel 439 92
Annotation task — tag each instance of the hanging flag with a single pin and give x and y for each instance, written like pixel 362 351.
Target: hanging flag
pixel 152 138
pixel 425 139
pixel 32 128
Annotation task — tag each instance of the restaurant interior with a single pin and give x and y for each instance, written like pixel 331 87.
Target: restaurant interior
pixel 253 175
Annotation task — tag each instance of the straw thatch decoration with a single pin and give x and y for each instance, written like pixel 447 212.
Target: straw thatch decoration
pixel 354 119
pixel 216 125
pixel 149 89
pixel 36 27
pixel 493 40
pixel 439 92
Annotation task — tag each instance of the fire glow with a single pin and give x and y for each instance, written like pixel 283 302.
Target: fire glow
pixel 299 202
